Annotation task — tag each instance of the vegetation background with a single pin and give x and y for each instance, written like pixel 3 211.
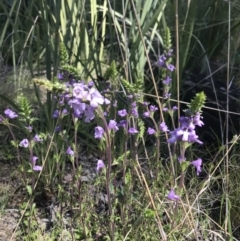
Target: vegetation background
pixel 130 34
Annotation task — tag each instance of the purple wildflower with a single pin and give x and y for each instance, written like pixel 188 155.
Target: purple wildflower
pixel 113 125
pixel 181 159
pixel 80 91
pixel 57 129
pixel 174 107
pixel 153 108
pixel 167 95
pixel 172 196
pixel 134 104
pixel 162 61
pixel 65 112
pixel 99 131
pixel 169 53
pixel 170 67
pixel 163 127
pixel 197 163
pixel 122 123
pixel 132 131
pixel 146 114
pixel 60 76
pixel 165 109
pixel 100 165
pixel 29 128
pixel 37 138
pixel 96 98
pixel 89 113
pixel 36 167
pixel 197 120
pixel 78 107
pixel 151 131
pixel 145 103
pixel 70 151
pixel 122 113
pixel 55 114
pixel 90 84
pixel 106 101
pixel 134 112
pixel 115 103
pixel 167 81
pixel 10 114
pixel 24 143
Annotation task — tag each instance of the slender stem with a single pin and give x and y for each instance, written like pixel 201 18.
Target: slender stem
pixel 108 173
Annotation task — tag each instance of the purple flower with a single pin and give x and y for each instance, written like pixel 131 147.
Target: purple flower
pixel 134 104
pixel 175 107
pixel 122 113
pixel 55 114
pixel 10 114
pixel 99 131
pixel 97 98
pixel 197 120
pixel 173 137
pixel 89 113
pixel 29 128
pixel 169 53
pixel 100 165
pixel 146 114
pixel 115 103
pixel 163 127
pixel 167 95
pixel 170 67
pixel 37 138
pixel 172 196
pixel 145 103
pixel 151 131
pixel 162 61
pixel 78 107
pixel 24 143
pixel 60 76
pixel 70 151
pixel 106 101
pixel 192 137
pixel 90 84
pixel 197 163
pixel 122 123
pixel 113 125
pixel 181 159
pixel 165 109
pixel 65 112
pixel 134 112
pixel 132 131
pixel 153 108
pixel 36 167
pixel 167 81
pixel 57 129
pixel 34 159
pixel 80 91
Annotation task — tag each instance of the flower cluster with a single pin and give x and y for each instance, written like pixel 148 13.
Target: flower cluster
pixel 186 135
pixel 25 144
pixel 164 62
pixel 84 99
pixel 186 132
